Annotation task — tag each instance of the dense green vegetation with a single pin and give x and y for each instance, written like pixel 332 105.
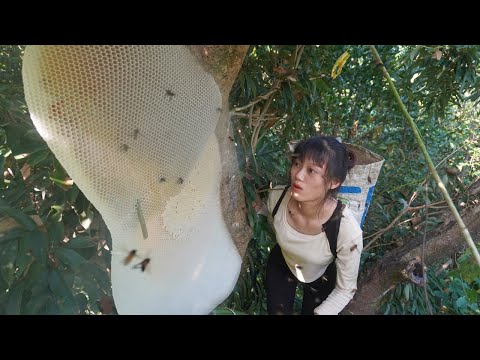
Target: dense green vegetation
pixel 67 270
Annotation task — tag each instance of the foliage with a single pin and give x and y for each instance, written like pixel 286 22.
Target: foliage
pixel 51 263
pixel 456 291
pixel 439 86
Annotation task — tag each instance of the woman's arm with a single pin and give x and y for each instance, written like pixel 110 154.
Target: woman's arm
pixel 260 207
pixel 347 264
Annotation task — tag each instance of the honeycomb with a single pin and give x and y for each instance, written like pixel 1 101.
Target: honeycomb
pixel 134 128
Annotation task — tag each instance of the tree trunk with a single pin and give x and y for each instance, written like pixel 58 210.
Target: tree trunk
pixel 441 244
pixel 223 62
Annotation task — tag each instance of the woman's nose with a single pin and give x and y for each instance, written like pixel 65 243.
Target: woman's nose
pixel 300 174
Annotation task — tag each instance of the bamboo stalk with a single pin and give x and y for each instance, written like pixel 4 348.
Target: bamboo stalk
pixel 433 171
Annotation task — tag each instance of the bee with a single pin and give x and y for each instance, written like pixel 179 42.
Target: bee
pixel 142 265
pixel 180 181
pixel 124 147
pixel 136 132
pixel 354 246
pixel 129 257
pixel 219 110
pixel 169 93
pixel 369 180
pixel 162 179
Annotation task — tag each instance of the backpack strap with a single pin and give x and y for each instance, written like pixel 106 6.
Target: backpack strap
pixel 331 227
pixel 277 205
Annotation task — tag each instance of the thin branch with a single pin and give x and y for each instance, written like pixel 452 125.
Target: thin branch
pixel 267 116
pixel 384 230
pixel 431 214
pixel 298 55
pixel 432 205
pixel 256 130
pixel 378 245
pixel 429 306
pixel 258 99
pixel 449 155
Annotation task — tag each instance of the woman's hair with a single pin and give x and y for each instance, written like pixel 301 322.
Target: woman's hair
pixel 326 151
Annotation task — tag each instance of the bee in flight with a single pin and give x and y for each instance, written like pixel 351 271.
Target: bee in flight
pixel 142 265
pixel 129 257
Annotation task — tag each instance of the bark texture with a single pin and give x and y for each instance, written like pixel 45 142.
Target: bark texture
pixel 441 244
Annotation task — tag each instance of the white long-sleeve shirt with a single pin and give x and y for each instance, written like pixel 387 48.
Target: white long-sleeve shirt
pixel 308 256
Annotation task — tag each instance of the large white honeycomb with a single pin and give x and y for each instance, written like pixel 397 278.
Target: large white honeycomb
pixel 134 127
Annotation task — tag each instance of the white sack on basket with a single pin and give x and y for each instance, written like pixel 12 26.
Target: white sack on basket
pixel 357 189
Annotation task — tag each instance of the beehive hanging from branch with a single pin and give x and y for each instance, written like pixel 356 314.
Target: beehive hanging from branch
pixel 137 128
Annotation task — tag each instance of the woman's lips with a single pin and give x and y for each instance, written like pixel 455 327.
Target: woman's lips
pixel 297 187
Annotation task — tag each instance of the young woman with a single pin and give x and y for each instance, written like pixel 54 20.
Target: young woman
pixel 303 252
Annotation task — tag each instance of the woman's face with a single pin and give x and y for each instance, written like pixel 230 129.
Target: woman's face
pixel 308 180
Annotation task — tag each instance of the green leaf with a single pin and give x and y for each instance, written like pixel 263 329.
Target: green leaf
pixel 69 257
pixel 11 235
pixel 37 279
pixel 444 179
pixel 91 288
pixel 99 275
pixel 22 140
pixel 24 259
pixel 38 243
pixel 8 255
pixel 51 307
pixel 56 231
pixel 81 242
pixel 82 302
pixel 69 278
pixel 406 292
pixel 226 311
pixel 72 193
pixel 69 307
pixel 15 300
pixel 2 162
pixel 323 85
pixel 17 194
pixel 58 285
pixel 19 216
pixel 38 156
pixel 461 302
pixel 415 52
pixel 252 86
pixel 36 303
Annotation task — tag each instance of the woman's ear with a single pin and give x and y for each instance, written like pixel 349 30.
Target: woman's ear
pixel 334 184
